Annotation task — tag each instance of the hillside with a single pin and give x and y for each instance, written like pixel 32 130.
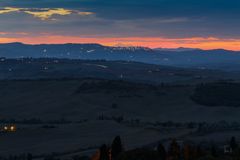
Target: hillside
pixel 89 99
pixel 73 117
pixel 137 72
pixel 190 58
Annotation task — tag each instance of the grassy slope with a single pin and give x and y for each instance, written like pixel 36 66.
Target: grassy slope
pixel 58 99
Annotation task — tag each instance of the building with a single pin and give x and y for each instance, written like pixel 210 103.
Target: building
pixel 228 149
pixel 8 128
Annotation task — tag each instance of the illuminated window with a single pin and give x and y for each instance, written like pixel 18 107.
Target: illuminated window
pixel 12 128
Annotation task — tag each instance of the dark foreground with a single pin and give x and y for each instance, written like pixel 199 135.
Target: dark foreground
pixel 72 118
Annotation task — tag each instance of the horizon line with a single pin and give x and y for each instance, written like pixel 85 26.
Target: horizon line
pixel 124 46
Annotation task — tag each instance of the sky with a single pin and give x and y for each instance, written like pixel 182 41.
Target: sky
pixel 205 24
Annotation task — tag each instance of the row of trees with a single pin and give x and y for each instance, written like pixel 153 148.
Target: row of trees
pixel 18 157
pixel 33 121
pixel 173 152
pixel 109 153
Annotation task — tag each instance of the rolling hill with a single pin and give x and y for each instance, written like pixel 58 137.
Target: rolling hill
pixel 182 57
pixel 52 68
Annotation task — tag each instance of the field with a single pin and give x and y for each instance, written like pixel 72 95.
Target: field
pixel 68 99
pixel 66 116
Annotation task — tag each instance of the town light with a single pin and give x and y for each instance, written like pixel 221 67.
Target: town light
pixel 5 128
pixel 9 128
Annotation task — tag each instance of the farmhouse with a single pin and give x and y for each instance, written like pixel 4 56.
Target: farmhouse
pixel 8 128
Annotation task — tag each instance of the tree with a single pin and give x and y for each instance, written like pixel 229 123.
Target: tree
pixel 116 147
pixel 162 152
pixel 213 151
pixel 104 152
pixel 187 152
pixel 96 156
pixel 198 152
pixel 174 150
pixel 233 143
pixel 29 156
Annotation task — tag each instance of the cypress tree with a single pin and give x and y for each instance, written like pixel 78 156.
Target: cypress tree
pixel 104 153
pixel 117 147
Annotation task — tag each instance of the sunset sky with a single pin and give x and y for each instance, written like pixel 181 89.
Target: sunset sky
pixel 206 24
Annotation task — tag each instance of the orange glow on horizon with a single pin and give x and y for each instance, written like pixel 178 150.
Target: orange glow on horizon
pixel 151 42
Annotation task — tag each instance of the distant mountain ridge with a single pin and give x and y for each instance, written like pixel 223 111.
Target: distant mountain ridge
pixel 179 57
pixel 180 49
